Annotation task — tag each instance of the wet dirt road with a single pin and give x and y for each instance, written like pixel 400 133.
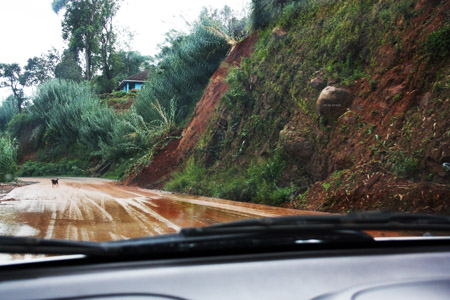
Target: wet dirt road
pixel 92 209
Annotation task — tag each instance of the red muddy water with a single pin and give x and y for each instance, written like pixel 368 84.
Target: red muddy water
pixel 91 209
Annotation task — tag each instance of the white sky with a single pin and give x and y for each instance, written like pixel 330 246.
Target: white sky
pixel 29 28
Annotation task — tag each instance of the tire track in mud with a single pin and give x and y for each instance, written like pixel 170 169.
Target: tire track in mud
pixel 98 210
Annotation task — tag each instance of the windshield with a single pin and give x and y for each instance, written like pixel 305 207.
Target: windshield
pixel 128 119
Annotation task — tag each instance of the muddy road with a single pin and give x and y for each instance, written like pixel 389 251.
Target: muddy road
pixel 92 209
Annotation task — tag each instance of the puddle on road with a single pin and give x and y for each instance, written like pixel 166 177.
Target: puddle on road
pixel 92 210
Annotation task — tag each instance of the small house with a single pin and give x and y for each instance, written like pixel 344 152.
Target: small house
pixel 134 82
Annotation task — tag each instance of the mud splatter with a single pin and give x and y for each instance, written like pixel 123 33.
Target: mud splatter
pixel 100 210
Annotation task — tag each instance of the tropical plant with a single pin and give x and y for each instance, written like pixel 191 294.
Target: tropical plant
pixel 8 151
pixel 8 110
pixel 62 105
pixel 129 136
pixel 96 124
pixel 185 65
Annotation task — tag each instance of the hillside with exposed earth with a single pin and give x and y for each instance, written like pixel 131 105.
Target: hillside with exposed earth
pixel 331 106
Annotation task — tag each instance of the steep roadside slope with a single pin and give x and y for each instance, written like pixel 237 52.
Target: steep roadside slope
pixel 376 138
pixel 171 156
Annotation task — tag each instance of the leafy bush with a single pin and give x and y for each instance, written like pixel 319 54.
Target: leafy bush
pixel 8 166
pixel 73 113
pixel 264 12
pixel 62 104
pixel 403 166
pixel 190 180
pixel 259 183
pixel 119 94
pixel 63 167
pixel 19 123
pixel 438 43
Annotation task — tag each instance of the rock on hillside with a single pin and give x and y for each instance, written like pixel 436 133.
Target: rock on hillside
pixel 333 101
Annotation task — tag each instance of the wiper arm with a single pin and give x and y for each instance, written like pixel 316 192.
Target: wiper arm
pixel 257 234
pixel 352 221
pixel 180 243
pixel 30 245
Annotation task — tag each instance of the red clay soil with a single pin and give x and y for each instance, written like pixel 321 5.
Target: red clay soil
pixel 213 93
pixel 161 166
pixel 377 127
pixel 170 158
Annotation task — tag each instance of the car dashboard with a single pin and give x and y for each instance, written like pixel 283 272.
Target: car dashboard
pixel 412 271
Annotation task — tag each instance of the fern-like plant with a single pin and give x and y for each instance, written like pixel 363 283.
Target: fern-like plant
pixel 8 151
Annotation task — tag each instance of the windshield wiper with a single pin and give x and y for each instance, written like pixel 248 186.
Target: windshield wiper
pixel 352 221
pixel 261 233
pixel 31 245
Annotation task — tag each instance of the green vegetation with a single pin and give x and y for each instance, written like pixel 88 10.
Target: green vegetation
pixel 71 112
pixel 340 40
pixel 7 111
pixel 88 27
pixel 185 67
pixel 69 116
pixel 8 166
pixel 438 43
pixel 403 166
pixel 259 183
pixel 63 167
pixel 120 101
pixel 240 156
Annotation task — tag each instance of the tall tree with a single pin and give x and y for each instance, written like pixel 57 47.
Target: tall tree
pixel 38 70
pixel 132 62
pixel 12 76
pixel 42 68
pixel 108 39
pixel 87 25
pixel 68 68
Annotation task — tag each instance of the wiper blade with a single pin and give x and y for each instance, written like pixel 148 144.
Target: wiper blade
pixel 180 243
pixel 352 221
pixel 248 234
pixel 30 245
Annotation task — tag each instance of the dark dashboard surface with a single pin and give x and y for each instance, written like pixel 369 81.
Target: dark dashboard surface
pixel 257 276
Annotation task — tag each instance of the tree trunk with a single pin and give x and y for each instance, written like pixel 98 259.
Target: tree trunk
pixel 19 105
pixel 18 97
pixel 88 64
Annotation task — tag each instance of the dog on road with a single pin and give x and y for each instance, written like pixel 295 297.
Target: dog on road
pixel 55 182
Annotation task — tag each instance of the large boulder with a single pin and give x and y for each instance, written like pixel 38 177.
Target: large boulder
pixel 295 145
pixel 333 101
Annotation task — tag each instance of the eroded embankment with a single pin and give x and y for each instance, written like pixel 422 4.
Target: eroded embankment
pixel 169 159
pixel 381 146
